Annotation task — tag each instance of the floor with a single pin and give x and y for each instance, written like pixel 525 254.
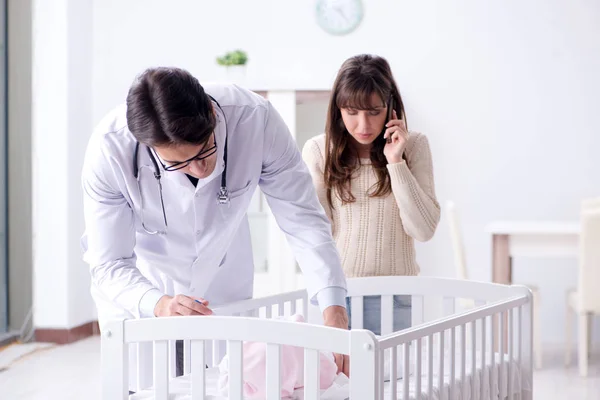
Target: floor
pixel 72 371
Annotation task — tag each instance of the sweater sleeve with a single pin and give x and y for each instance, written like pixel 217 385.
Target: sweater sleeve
pixel 313 158
pixel 414 191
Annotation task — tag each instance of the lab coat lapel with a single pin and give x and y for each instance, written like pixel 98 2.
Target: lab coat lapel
pixel 220 136
pixel 207 265
pixel 180 181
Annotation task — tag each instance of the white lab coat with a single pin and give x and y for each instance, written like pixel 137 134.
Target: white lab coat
pixel 207 249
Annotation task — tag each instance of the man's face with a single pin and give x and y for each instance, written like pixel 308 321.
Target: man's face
pixel 197 161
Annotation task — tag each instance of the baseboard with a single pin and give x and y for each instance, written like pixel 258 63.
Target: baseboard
pixel 65 336
pixel 8 338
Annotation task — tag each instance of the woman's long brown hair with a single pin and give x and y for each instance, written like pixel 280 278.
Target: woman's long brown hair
pixel 357 80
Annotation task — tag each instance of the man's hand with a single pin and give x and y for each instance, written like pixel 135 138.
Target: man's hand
pixel 337 317
pixel 181 305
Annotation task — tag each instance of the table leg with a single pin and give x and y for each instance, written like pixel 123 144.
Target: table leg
pixel 501 273
pixel 501 261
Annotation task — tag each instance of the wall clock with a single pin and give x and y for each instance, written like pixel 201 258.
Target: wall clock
pixel 339 17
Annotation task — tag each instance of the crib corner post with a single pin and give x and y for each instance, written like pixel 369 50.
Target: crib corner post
pixel 527 367
pixel 114 361
pixel 364 353
pixel 527 341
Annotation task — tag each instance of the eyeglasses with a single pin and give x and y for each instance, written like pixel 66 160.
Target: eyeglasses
pixel 203 154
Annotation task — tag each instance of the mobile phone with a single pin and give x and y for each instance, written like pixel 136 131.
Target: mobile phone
pixel 390 113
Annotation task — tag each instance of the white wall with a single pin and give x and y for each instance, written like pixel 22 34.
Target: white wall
pixel 504 90
pixel 62 95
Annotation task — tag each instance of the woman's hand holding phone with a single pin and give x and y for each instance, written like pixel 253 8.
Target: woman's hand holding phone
pixel 396 136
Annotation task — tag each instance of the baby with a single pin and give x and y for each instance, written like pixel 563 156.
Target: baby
pixel 291 368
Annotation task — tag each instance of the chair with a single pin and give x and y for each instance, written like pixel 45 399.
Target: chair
pixel 461 271
pixel 585 300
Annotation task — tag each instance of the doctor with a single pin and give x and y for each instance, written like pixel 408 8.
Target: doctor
pixel 167 180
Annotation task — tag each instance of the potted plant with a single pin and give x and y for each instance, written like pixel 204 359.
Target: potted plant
pixel 235 64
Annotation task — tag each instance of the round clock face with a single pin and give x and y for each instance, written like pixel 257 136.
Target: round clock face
pixel 339 17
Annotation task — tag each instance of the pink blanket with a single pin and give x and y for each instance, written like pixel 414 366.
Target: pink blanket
pixel 291 369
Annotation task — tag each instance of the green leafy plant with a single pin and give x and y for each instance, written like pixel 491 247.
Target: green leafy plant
pixel 236 57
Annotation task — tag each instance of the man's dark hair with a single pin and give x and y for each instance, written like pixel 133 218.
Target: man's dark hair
pixel 168 106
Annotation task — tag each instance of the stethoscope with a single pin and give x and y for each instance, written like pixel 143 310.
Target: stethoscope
pixel 222 196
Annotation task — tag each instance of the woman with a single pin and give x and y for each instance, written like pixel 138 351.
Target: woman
pixel 374 178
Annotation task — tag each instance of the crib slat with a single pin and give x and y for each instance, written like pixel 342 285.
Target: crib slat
pixel 293 308
pixel 418 369
pixel 305 307
pixel 216 352
pixel 501 381
pixel 473 357
pixel 430 366
pixel 417 310
pixel 520 338
pixel 187 352
pixel 234 352
pixel 281 309
pixel 510 353
pixel 198 375
pixel 172 358
pixel 144 374
pixel 161 371
pixel 269 312
pixel 463 359
pixel 311 374
pixel 406 371
pixel 493 370
pixel 393 372
pixel 441 366
pixel 453 363
pixel 387 315
pixel 356 307
pixel 380 374
pixel 273 371
pixel 483 375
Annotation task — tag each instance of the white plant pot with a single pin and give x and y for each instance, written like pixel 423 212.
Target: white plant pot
pixel 236 74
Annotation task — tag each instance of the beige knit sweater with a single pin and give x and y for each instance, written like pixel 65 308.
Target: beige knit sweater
pixel 374 235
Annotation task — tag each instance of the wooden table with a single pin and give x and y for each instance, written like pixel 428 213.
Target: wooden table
pixel 527 239
pixel 530 239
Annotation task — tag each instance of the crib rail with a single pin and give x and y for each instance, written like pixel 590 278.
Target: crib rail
pixel 280 304
pixel 429 287
pixel 431 298
pixel 506 324
pixel 446 323
pixel 234 330
pixel 214 350
pixel 450 318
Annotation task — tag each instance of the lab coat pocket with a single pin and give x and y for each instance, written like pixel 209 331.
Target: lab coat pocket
pixel 238 192
pixel 238 203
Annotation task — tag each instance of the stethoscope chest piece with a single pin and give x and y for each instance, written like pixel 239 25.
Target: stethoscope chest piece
pixel 223 197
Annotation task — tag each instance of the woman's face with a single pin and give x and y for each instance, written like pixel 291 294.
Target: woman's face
pixel 365 125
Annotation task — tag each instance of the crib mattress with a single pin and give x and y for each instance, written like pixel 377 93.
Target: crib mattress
pixel 180 387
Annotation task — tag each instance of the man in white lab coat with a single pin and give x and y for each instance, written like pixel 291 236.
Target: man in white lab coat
pixel 167 181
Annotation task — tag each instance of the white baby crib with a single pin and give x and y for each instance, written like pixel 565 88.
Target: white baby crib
pixel 481 353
